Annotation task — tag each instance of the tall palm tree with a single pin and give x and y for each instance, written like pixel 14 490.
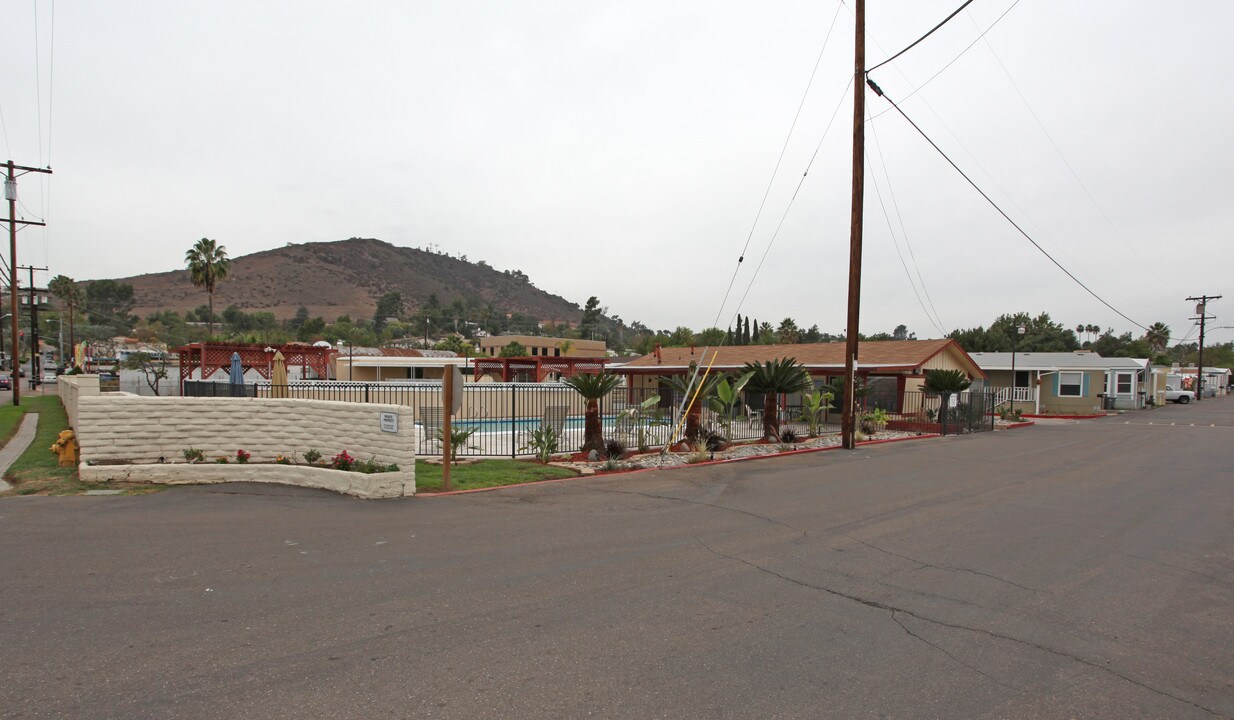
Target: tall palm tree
pixel 207 263
pixel 1158 336
pixel 773 378
pixel 592 387
pixel 66 289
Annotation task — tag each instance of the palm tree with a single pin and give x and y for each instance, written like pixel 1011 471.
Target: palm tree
pixel 207 263
pixel 66 289
pixel 697 394
pixel 593 387
pixel 1158 336
pixel 945 383
pixel 772 378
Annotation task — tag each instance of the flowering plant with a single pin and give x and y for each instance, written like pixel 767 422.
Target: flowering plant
pixel 242 456
pixel 342 461
pixel 282 459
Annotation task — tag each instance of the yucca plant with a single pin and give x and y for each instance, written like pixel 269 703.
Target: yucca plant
pixel 773 378
pixel 813 406
pixel 593 387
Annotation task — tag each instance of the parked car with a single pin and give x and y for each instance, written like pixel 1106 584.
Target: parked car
pixel 1178 396
pixel 6 381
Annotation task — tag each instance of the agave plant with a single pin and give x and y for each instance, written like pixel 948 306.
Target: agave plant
pixel 592 387
pixel 773 378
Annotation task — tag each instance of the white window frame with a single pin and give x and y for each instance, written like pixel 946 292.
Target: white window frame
pixel 1063 384
pixel 1118 383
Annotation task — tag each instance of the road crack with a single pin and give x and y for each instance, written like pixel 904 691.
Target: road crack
pixel 747 513
pixel 893 610
pixel 948 568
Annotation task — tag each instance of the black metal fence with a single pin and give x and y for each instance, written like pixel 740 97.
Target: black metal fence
pixel 501 419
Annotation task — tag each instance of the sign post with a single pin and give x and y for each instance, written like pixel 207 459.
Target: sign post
pixel 452 402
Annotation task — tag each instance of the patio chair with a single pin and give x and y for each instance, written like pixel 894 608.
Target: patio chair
pixel 754 417
pixel 431 417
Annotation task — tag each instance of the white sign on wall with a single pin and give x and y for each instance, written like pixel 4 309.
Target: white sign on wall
pixel 389 422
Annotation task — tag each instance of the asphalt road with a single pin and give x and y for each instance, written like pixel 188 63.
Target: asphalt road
pixel 1071 570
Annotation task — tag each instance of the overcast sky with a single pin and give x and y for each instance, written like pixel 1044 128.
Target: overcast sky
pixel 622 149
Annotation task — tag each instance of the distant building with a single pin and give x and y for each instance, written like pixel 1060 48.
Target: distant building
pixel 541 346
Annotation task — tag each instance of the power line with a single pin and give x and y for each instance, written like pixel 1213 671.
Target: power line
pixel 923 37
pixel 1058 151
pixel 878 192
pixel 789 207
pixel 939 325
pixel 775 171
pixel 943 69
pixel 993 204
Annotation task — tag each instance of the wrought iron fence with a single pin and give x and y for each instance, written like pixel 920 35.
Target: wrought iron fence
pixel 500 419
pixel 966 412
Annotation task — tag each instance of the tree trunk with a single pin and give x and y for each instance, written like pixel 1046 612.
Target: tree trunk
pixel 771 417
pixel 694 421
pixel 593 432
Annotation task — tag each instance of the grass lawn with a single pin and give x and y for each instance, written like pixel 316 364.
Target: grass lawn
pixel 38 471
pixel 10 418
pixel 486 473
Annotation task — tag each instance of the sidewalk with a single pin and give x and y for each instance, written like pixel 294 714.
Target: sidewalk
pixel 17 445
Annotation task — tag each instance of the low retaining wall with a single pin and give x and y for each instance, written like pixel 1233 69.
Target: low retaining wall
pixel 371 487
pixel 129 437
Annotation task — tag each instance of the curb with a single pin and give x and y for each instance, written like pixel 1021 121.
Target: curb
pixel 1065 417
pixel 17 445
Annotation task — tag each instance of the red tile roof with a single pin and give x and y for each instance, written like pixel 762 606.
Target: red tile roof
pixel 873 356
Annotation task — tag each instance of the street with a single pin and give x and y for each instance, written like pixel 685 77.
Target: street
pixel 1068 570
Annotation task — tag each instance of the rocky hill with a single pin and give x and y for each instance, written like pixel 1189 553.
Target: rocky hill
pixel 346 278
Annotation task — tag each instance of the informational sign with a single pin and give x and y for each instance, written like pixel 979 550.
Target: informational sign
pixel 456 394
pixel 389 422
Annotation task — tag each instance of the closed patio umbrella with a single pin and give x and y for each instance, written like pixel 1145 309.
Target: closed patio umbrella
pixel 236 376
pixel 278 376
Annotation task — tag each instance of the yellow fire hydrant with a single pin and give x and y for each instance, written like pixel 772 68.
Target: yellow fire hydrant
pixel 66 448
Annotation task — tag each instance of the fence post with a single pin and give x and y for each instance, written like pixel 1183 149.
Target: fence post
pixel 366 393
pixel 513 415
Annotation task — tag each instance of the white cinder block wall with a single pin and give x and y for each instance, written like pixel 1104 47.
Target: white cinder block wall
pixel 121 428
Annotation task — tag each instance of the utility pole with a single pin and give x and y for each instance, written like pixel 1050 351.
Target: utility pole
pixel 1201 309
pixel 848 424
pixel 10 194
pixel 36 355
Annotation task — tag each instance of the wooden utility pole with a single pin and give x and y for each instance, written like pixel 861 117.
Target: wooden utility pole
pixel 1201 309
pixel 36 355
pixel 447 393
pixel 10 194
pixel 848 427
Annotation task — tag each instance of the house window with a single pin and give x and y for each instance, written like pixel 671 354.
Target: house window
pixel 556 352
pixel 1124 384
pixel 1021 378
pixel 1070 384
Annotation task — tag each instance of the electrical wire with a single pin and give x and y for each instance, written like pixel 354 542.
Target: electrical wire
pixel 802 180
pixel 5 127
pixel 1058 151
pixel 38 81
pixel 954 59
pixel 904 264
pixel 995 205
pixel 775 171
pixel 939 325
pixel 923 37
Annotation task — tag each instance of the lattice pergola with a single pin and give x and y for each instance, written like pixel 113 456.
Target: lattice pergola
pixel 216 357
pixel 509 367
